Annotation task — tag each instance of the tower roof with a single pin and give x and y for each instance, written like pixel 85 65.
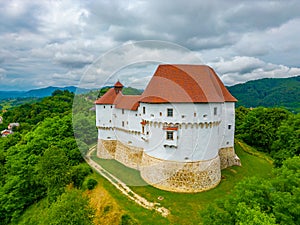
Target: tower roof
pixel 118 84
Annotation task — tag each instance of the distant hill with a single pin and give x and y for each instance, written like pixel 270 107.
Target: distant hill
pixel 269 92
pixel 39 93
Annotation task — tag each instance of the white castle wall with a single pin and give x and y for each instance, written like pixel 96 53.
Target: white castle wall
pixel 202 138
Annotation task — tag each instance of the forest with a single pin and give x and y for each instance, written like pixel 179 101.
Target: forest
pixel 42 161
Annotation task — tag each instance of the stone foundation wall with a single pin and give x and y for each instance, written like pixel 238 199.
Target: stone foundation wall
pixel 106 149
pixel 128 155
pixel 228 158
pixel 180 176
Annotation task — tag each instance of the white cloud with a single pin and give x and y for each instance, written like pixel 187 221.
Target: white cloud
pixel 241 69
pixel 58 39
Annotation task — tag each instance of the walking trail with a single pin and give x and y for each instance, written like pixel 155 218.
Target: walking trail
pixel 124 188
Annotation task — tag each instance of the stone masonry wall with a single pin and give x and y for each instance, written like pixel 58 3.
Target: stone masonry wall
pixel 179 176
pixel 106 149
pixel 129 155
pixel 228 158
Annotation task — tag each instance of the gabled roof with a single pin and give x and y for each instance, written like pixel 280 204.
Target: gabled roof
pixel 130 102
pixel 108 98
pixel 186 83
pixel 111 97
pixel 174 84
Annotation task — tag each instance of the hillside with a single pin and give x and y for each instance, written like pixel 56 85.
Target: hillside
pixel 39 93
pixel 269 92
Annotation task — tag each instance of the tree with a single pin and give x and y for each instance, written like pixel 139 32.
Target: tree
pixel 54 172
pixel 71 208
pixel 258 201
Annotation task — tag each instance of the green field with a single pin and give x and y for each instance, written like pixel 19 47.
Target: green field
pixel 184 208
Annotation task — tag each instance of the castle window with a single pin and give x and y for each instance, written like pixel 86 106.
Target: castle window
pixel 122 111
pixel 170 112
pixel 111 106
pixel 144 110
pixel 123 124
pixel 170 135
pixel 229 127
pixel 104 107
pixel 160 113
pixel 205 115
pixel 143 129
pixel 195 114
pixel 110 121
pixel 215 111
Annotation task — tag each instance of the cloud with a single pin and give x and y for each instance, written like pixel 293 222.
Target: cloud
pixel 241 69
pixel 62 39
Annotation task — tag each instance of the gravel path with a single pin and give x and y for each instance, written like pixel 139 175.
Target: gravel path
pixel 124 188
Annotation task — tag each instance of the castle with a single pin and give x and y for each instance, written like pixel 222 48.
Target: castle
pixel 179 133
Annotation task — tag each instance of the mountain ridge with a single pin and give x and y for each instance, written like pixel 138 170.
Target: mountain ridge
pixel 269 92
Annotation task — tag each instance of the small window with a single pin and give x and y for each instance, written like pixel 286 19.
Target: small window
pixel 144 110
pixel 215 111
pixel 195 114
pixel 143 129
pixel 127 122
pixel 147 132
pixel 122 111
pixel 182 116
pixel 136 114
pixel 110 121
pixel 104 107
pixel 229 127
pixel 111 106
pixel 205 115
pixel 169 135
pixel 123 124
pixel 160 113
pixel 170 112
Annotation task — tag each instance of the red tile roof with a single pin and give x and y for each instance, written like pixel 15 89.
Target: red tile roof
pixel 186 83
pixel 108 98
pixel 130 102
pixel 173 83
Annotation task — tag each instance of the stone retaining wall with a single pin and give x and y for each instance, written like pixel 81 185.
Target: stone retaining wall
pixel 170 175
pixel 228 158
pixel 128 155
pixel 180 176
pixel 106 149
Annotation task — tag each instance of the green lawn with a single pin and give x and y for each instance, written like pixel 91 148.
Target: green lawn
pixel 184 208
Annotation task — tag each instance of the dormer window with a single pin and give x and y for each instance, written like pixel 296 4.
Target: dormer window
pixel 170 112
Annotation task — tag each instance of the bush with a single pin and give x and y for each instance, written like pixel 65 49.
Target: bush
pixel 91 183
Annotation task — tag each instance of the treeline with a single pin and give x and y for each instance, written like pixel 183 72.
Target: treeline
pixel 255 200
pixel 269 92
pixel 274 131
pixel 41 158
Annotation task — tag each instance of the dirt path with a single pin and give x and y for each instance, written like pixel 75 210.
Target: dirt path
pixel 124 188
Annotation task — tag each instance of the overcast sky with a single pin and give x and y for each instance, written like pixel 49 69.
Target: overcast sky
pixel 45 43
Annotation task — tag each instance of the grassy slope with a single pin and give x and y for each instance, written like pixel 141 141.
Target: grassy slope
pixel 185 207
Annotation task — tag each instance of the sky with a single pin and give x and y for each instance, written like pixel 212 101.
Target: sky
pixel 91 43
